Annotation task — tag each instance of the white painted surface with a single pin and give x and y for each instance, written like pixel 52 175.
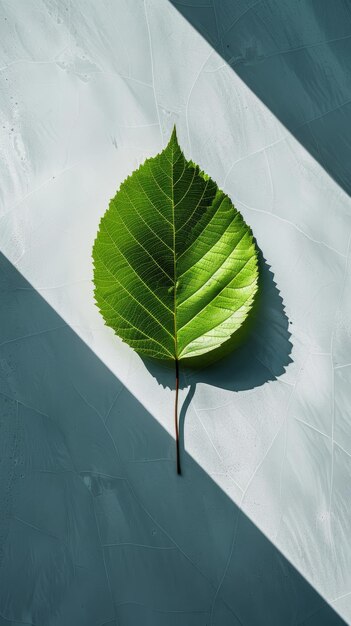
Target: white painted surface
pixel 88 90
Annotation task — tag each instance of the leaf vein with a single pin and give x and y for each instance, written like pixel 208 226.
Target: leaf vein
pixel 139 244
pixel 134 327
pixel 218 294
pixel 137 275
pixel 133 298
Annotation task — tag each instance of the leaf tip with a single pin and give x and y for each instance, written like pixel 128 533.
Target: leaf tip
pixel 173 137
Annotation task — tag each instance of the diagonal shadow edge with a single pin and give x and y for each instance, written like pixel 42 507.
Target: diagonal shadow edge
pixel 304 46
pixel 95 526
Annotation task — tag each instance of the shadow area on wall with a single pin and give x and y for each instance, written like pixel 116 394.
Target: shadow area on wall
pixel 95 525
pixel 295 57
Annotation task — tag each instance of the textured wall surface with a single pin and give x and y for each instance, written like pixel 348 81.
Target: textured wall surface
pixel 95 526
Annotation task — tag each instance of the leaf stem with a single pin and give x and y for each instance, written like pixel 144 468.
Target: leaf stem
pixel 176 415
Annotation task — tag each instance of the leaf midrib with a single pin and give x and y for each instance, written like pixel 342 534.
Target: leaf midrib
pixel 174 263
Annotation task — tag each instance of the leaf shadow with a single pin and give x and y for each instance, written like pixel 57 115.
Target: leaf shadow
pixel 262 356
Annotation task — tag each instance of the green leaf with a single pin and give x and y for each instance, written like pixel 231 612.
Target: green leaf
pixel 175 265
